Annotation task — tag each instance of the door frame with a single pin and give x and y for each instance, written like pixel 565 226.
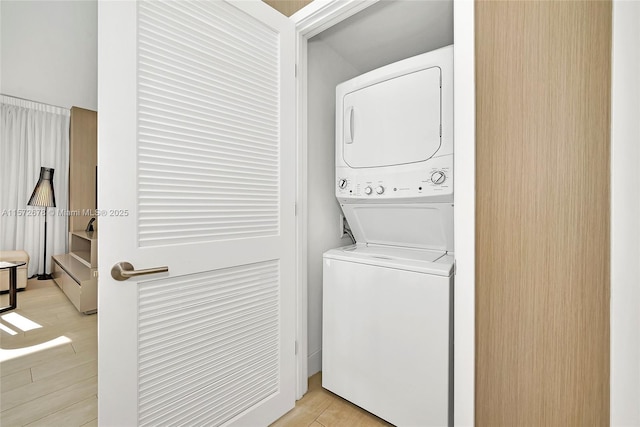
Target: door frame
pixel 312 20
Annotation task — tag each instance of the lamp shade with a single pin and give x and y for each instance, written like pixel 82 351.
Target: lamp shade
pixel 43 194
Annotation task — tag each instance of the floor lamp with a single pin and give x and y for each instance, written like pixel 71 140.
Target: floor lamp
pixel 44 196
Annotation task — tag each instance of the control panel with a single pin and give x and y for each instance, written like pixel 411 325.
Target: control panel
pixel 436 179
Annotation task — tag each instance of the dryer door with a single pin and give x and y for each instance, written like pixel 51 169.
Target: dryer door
pixel 393 122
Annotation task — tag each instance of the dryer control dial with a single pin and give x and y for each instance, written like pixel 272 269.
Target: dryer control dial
pixel 368 190
pixel 380 189
pixel 342 183
pixel 438 177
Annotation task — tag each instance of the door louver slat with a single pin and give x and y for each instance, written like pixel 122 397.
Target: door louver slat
pixel 208 99
pixel 208 337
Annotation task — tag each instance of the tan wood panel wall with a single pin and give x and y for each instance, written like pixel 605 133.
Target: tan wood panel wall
pixel 287 7
pixel 542 248
pixel 83 159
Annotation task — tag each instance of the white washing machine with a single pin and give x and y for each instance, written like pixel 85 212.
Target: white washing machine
pixel 387 337
pixel 387 300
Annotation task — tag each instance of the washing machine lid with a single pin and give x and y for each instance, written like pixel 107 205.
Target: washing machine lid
pixel 412 225
pixel 393 122
pixel 415 260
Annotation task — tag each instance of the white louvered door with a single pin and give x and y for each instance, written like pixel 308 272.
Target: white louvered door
pixel 196 172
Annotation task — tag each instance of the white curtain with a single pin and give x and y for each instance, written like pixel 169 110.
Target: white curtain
pixel 33 135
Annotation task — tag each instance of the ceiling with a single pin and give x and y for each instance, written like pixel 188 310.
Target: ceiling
pixel 391 30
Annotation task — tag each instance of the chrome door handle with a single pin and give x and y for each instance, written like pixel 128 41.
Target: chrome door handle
pixel 124 270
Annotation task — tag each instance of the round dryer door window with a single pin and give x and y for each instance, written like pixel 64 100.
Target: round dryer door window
pixel 396 121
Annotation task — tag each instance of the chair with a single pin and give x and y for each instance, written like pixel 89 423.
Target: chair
pixel 9 256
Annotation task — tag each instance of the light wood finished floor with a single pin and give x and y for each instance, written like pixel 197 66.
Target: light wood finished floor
pixel 48 373
pixel 320 407
pixel 57 386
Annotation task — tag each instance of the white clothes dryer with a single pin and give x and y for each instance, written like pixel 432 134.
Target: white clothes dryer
pixel 394 132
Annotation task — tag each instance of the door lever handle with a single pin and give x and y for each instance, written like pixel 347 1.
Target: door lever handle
pixel 124 270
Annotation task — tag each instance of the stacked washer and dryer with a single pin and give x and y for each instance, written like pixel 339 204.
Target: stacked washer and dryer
pixel 387 299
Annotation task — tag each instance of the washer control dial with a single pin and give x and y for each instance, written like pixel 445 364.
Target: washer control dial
pixel 438 177
pixel 342 183
pixel 368 190
pixel 380 189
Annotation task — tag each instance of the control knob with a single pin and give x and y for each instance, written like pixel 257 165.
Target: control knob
pixel 380 189
pixel 342 183
pixel 367 190
pixel 438 177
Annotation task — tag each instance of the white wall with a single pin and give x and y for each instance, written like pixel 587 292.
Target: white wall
pixel 625 215
pixel 325 70
pixel 48 51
